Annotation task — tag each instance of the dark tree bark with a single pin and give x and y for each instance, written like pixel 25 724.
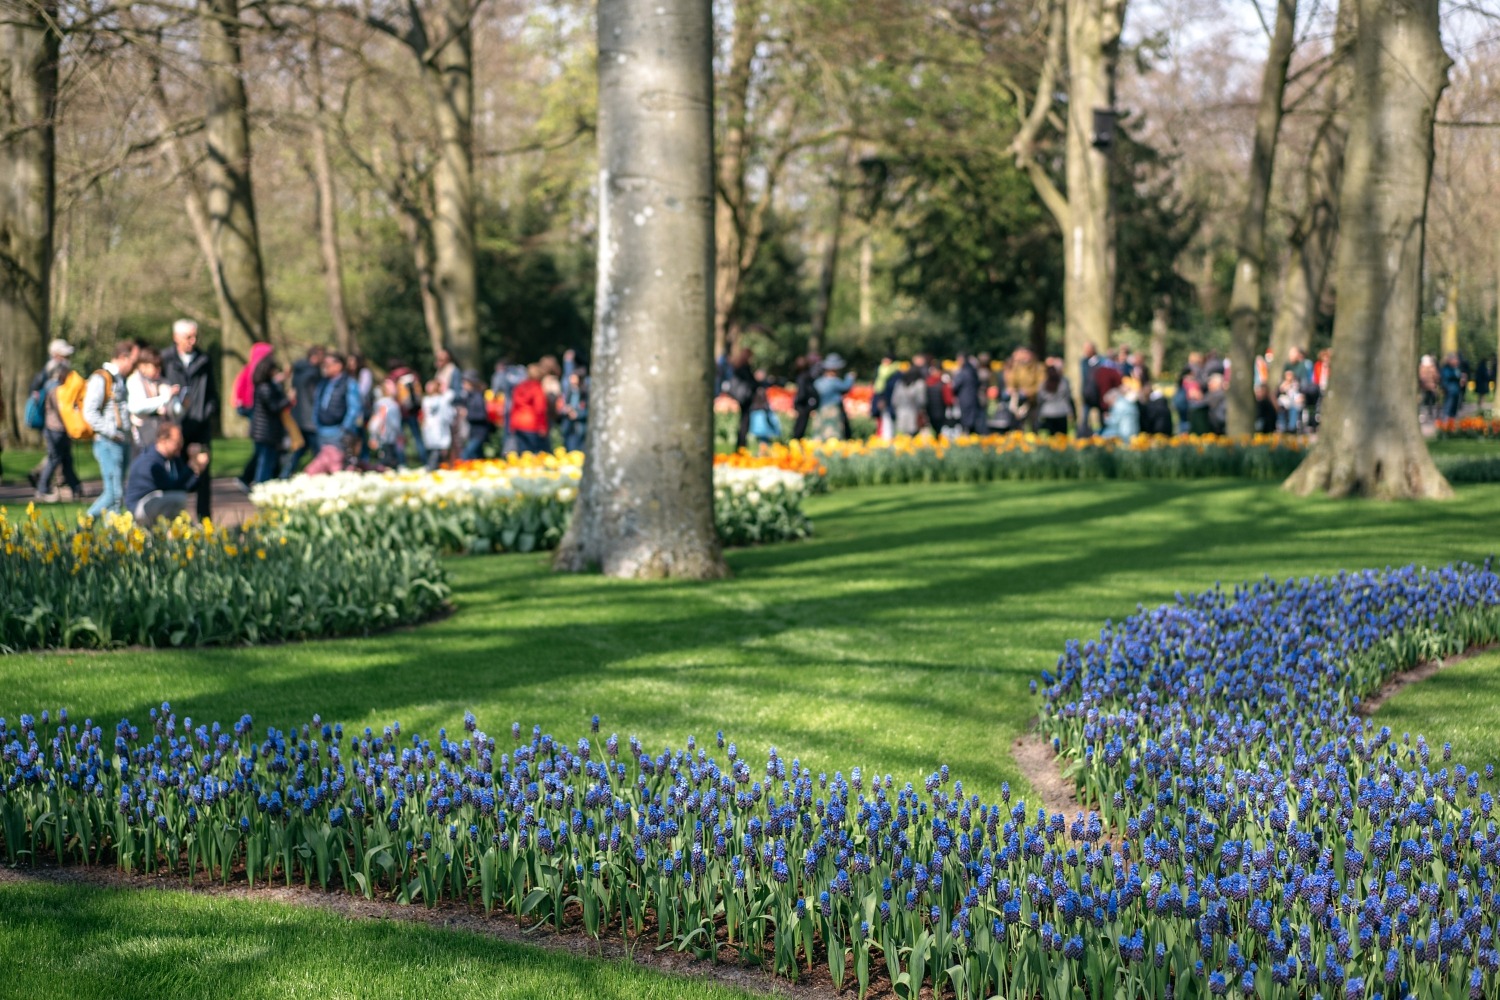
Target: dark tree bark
pixel 645 505
pixel 1370 443
pixel 1041 315
pixel 28 103
pixel 449 77
pixel 326 186
pixel 1309 263
pixel 230 198
pixel 1246 299
pixel 828 271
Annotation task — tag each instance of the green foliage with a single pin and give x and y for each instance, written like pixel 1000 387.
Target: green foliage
pixel 109 582
pixel 774 306
pixel 536 288
pixel 980 245
pixel 1027 457
pixel 982 248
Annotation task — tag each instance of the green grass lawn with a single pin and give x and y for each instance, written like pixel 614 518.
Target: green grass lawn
pixel 141 943
pixel 1459 704
pixel 902 636
pixel 230 456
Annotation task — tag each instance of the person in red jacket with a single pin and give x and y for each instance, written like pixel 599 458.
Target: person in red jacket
pixel 529 417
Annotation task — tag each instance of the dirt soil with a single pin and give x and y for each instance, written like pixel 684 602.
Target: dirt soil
pixel 1416 675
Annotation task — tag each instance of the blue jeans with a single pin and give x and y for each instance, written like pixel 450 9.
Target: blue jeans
pixel 531 442
pixel 411 424
pixel 309 448
pixel 266 462
pixel 113 457
pixel 474 447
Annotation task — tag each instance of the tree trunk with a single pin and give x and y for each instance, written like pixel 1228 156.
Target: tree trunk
pixel 28 102
pixel 1093 49
pixel 645 505
pixel 866 266
pixel 1309 261
pixel 828 272
pixel 1449 342
pixel 1161 325
pixel 1246 298
pixel 1371 443
pixel 730 205
pixel 1041 314
pixel 230 198
pixel 414 226
pixel 330 257
pixel 449 77
pixel 1312 244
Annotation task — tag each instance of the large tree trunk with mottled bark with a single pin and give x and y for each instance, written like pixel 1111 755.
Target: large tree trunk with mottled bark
pixel 28 102
pixel 449 77
pixel 1093 49
pixel 230 197
pixel 1246 297
pixel 645 504
pixel 1370 442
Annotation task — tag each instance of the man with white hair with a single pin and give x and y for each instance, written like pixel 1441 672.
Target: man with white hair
pixel 190 369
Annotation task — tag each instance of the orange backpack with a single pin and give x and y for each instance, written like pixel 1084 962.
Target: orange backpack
pixel 70 403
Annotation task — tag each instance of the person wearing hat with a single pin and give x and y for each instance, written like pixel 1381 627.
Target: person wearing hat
pixel 477 415
pixel 831 386
pixel 59 445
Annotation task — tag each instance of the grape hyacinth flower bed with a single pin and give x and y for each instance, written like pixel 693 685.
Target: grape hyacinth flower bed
pixel 1256 836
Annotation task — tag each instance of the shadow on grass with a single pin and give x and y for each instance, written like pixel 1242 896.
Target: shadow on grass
pixel 902 635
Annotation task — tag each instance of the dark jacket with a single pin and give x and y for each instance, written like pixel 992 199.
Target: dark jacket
pixel 806 398
pixel 306 377
pixel 937 407
pixel 151 471
pixel 475 410
pixel 1156 415
pixel 742 385
pixel 265 416
pixel 200 388
pixel 966 392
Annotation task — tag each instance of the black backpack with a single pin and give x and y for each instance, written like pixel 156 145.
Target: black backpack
pixel 1090 387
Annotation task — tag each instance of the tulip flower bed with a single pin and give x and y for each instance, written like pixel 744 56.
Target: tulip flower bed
pixel 1468 428
pixel 1257 837
pixel 519 504
pixel 105 582
pixel 1030 456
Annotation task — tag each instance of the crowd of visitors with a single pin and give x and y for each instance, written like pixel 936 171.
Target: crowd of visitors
pixel 149 417
pixel 334 412
pixel 1119 397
